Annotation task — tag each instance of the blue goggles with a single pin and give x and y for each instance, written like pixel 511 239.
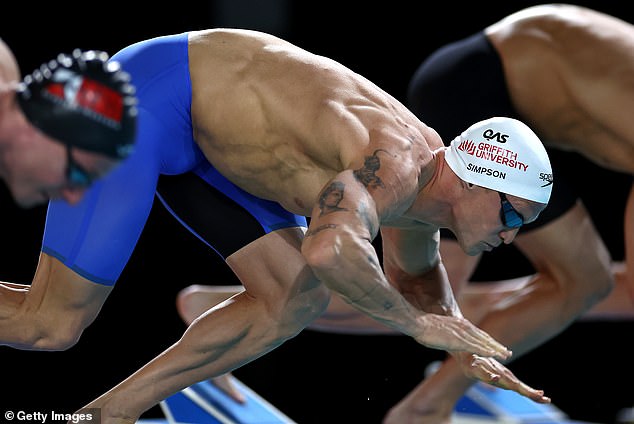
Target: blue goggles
pixel 76 175
pixel 510 217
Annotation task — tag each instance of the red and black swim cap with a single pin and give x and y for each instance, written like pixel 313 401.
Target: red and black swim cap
pixel 83 101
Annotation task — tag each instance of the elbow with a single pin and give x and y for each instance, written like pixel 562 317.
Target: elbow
pixel 322 253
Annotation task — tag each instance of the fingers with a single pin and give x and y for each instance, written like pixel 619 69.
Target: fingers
pixel 494 348
pixel 496 374
pixel 516 386
pixel 458 334
pixel 529 392
pixel 481 343
pixel 524 390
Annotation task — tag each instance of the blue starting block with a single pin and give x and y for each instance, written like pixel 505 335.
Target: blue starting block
pixel 204 403
pixel 486 404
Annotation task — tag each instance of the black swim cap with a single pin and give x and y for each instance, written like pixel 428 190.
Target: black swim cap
pixel 83 101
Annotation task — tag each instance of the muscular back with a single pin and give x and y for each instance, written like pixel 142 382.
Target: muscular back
pixel 280 122
pixel 570 72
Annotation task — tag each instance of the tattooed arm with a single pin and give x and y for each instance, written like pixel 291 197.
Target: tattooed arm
pixel 338 247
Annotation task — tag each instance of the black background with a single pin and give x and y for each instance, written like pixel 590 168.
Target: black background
pixel 314 378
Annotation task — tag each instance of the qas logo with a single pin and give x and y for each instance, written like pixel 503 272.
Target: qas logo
pixel 489 134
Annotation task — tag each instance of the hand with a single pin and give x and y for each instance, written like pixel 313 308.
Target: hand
pixel 458 334
pixel 490 371
pixel 225 383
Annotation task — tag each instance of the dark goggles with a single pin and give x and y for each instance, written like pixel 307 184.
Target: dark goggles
pixel 510 217
pixel 76 175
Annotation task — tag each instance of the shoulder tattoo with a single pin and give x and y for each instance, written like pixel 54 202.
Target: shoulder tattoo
pixel 366 175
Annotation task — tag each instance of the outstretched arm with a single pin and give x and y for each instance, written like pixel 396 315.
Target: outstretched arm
pixel 338 247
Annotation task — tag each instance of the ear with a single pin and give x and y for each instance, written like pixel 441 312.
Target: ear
pixel 8 90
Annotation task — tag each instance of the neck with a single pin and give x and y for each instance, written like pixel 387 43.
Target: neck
pixel 434 202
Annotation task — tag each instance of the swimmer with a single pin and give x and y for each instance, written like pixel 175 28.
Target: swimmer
pixel 539 65
pixel 64 126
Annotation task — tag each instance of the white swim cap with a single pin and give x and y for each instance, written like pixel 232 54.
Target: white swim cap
pixel 505 155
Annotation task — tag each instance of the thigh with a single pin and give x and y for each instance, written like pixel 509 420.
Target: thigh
pixel 273 264
pixel 570 248
pixel 276 276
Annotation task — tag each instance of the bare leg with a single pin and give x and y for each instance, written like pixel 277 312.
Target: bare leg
pixel 281 297
pixel 619 305
pixel 192 301
pixel 195 300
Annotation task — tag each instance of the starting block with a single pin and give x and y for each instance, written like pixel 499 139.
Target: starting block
pixel 486 404
pixel 204 403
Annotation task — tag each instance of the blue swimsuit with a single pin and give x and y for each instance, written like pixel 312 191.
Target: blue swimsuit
pixel 96 237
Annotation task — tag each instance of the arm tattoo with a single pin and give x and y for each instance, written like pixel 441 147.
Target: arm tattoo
pixel 331 197
pixel 366 175
pixel 319 229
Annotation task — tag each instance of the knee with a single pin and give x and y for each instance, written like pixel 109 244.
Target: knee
pixel 61 342
pixel 306 306
pixel 184 303
pixel 592 289
pixel 602 285
pixel 51 337
pixel 605 287
pixel 194 300
pixel 319 300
